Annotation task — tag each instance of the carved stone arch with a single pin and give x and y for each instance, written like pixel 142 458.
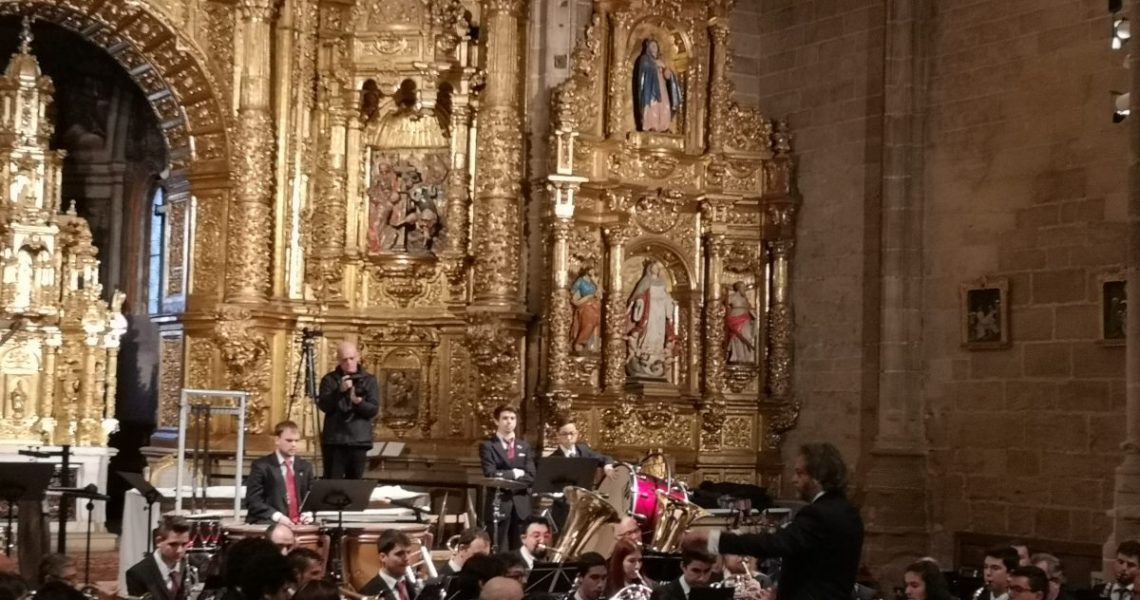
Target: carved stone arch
pixel 169 68
pixel 671 256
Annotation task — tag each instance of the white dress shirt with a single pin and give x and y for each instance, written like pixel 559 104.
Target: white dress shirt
pixel 685 586
pixel 392 583
pixel 570 452
pixel 165 570
pixel 527 556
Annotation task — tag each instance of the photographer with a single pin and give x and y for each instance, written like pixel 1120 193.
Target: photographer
pixel 350 398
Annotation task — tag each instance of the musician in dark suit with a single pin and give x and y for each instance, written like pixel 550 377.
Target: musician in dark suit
pixel 472 541
pixel 505 456
pixel 391 582
pixel 821 546
pixel 696 568
pixel 570 447
pixel 278 483
pixel 163 573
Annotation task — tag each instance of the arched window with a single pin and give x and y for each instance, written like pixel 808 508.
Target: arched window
pixel 154 253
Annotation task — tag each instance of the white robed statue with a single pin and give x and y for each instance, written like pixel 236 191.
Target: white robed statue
pixel 649 325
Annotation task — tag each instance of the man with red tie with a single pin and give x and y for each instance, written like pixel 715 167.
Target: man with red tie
pixel 391 583
pixel 278 483
pixel 505 456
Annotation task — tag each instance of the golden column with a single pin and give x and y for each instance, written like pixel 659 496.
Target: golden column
pixel 721 91
pixel 249 248
pixel 714 319
pixel 497 229
pixel 780 342
pixel 614 375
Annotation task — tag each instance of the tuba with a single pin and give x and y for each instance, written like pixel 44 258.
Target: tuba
pixel 674 516
pixel 588 512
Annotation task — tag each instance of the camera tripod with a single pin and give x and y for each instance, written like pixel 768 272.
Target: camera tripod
pixel 305 387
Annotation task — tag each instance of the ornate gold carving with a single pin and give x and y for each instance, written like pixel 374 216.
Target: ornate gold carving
pixel 246 357
pixel 658 211
pixel 461 384
pixel 494 353
pixel 406 357
pixel 200 363
pixel 248 267
pixel 737 433
pixel 500 152
pixel 404 283
pixel 657 425
pixel 169 379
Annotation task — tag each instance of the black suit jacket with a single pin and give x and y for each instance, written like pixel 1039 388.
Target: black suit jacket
pixel 145 578
pixel 585 451
pixel 820 548
pixel 377 587
pixel 669 591
pixel 493 458
pixel 265 491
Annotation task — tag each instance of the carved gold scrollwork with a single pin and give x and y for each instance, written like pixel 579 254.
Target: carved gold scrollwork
pixel 495 355
pixel 406 373
pixel 246 357
pixel 659 424
pixel 658 212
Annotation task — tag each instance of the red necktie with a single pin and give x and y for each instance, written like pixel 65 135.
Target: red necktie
pixel 511 450
pixel 403 588
pixel 291 492
pixel 175 585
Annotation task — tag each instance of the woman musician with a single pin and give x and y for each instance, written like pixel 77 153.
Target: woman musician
pixel 625 570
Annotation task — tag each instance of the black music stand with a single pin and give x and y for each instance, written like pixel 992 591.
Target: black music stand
pixel 91 494
pixel 22 482
pixel 150 495
pixel 555 473
pixel 711 593
pixel 551 578
pixel 500 486
pixel 659 566
pixel 339 495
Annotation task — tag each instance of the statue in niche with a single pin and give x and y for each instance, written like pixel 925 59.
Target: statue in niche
pixel 18 400
pixel 650 329
pixel 403 209
pixel 656 91
pixel 739 326
pixel 584 297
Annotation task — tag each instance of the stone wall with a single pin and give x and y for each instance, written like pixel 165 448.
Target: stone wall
pixel 1026 178
pixel 1020 174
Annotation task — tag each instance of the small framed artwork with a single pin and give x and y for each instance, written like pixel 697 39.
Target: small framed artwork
pixel 1113 310
pixel 985 314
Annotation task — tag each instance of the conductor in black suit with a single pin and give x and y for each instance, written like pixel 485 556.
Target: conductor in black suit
pixel 822 544
pixel 278 483
pixel 162 574
pixel 506 457
pixel 570 447
pixel 350 398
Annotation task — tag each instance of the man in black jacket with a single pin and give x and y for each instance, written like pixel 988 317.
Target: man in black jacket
pixel 350 398
pixel 821 546
pixel 391 582
pixel 569 447
pixel 696 568
pixel 163 573
pixel 506 457
pixel 278 483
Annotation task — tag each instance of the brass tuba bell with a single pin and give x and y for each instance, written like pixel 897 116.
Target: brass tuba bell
pixel 674 516
pixel 588 512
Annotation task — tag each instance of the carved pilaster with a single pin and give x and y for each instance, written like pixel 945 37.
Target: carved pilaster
pixel 559 315
pixel 615 357
pixel 780 342
pixel 714 318
pixel 459 182
pixel 47 384
pixel 248 259
pixel 721 89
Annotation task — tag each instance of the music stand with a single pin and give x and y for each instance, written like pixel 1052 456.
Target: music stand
pixel 500 486
pixel 711 593
pixel 22 482
pixel 551 578
pixel 150 495
pixel 339 495
pixel 554 473
pixel 91 494
pixel 659 566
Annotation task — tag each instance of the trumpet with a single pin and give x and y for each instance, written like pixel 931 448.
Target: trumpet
pixel 425 561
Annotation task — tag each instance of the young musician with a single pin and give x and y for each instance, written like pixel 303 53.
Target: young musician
pixel 624 568
pixel 163 573
pixel 505 456
pixel 696 566
pixel 570 447
pixel 390 583
pixel 278 483
pixel 1127 572
pixel 999 561
pixel 471 542
pixel 591 576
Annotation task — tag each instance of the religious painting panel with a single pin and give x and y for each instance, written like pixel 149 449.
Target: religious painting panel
pixel 405 189
pixel 985 314
pixel 1113 310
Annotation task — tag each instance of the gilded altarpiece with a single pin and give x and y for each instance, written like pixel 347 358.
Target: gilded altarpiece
pixel 672 224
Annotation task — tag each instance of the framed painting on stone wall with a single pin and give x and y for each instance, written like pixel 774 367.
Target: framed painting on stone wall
pixel 1113 310
pixel 985 314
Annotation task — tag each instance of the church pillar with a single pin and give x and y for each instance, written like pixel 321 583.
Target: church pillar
pixel 714 320
pixel 1126 498
pixel 250 225
pixel 497 227
pixel 895 483
pixel 614 316
pixel 719 95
